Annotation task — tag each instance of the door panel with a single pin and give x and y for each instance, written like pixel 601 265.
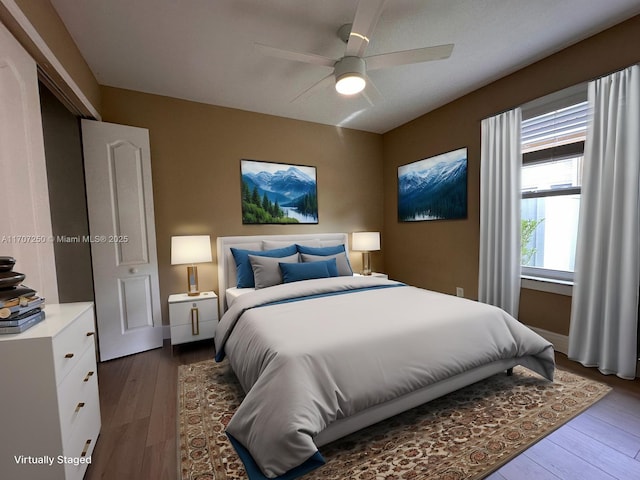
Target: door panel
pixel 123 249
pixel 128 189
pixel 135 303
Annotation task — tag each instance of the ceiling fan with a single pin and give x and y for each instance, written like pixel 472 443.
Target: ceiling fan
pixel 350 71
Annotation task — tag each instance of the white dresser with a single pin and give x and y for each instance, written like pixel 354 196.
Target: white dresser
pixel 49 405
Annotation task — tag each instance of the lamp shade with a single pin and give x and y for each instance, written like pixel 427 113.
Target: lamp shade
pixel 190 249
pixel 365 241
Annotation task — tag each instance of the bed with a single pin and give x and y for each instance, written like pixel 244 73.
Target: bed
pixel 322 358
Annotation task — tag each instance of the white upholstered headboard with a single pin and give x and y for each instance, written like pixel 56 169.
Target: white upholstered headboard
pixel 227 265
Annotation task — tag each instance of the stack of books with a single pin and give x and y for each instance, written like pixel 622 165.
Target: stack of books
pixel 20 306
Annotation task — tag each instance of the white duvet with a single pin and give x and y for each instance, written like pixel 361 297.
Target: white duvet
pixel 307 363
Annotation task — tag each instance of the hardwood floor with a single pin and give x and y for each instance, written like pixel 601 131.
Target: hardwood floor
pixel 138 400
pixel 603 443
pixel 138 438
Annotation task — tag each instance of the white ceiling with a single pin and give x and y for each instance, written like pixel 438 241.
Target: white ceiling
pixel 202 50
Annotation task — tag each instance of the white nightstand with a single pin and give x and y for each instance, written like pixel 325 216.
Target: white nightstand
pixel 192 318
pixel 373 274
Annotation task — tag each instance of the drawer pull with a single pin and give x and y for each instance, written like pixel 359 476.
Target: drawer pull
pixel 90 334
pixel 80 405
pixel 195 322
pixel 89 375
pixel 69 355
pixel 86 448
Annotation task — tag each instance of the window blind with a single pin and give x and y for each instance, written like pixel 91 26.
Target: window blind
pixel 566 125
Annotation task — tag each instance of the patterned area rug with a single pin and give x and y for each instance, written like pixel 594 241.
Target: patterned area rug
pixel 464 435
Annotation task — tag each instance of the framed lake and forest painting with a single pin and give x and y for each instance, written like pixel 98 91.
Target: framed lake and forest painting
pixel 275 193
pixel 434 188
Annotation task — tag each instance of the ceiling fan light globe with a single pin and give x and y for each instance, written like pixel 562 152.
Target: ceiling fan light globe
pixel 350 84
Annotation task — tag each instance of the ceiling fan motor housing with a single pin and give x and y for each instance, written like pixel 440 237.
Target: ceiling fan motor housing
pixel 350 66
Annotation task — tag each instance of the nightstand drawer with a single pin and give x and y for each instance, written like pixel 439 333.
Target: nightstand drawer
pixel 192 318
pixel 189 333
pixel 204 309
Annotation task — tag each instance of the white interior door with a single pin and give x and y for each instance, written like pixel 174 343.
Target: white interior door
pixel 25 217
pixel 123 238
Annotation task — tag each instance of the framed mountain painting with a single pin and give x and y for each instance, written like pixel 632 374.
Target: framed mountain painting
pixel 275 193
pixel 434 188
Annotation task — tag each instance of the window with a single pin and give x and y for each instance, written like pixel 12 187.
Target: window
pixel 553 147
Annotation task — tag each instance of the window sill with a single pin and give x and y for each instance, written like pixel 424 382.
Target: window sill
pixel 559 287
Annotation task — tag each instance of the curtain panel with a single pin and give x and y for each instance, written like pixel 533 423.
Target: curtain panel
pixel 500 225
pixel 604 312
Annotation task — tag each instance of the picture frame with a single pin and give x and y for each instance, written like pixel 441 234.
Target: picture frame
pixel 278 193
pixel 434 188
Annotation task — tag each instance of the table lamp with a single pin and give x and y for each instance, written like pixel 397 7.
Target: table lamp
pixel 191 249
pixel 365 242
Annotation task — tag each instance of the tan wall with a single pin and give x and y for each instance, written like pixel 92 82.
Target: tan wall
pixel 195 155
pixel 441 255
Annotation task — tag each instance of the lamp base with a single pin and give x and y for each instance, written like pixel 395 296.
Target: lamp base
pixel 192 281
pixel 366 263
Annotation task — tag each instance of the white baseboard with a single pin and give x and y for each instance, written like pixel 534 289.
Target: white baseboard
pixel 560 342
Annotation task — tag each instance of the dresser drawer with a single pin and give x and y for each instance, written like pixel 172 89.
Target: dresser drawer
pixel 70 344
pixel 79 447
pixel 78 389
pixel 181 313
pixel 185 333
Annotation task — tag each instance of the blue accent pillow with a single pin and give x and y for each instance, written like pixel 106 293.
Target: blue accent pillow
pixel 342 262
pixel 244 272
pixel 323 251
pixel 332 266
pixel 296 272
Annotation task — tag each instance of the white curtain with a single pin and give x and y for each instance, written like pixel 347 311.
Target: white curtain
pixel 500 226
pixel 604 311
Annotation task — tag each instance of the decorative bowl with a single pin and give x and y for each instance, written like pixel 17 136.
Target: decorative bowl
pixel 11 279
pixel 7 263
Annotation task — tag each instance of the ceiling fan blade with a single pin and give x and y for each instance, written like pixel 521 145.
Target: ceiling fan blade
pixel 407 57
pixel 295 56
pixel 319 85
pixel 371 92
pixel 364 23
